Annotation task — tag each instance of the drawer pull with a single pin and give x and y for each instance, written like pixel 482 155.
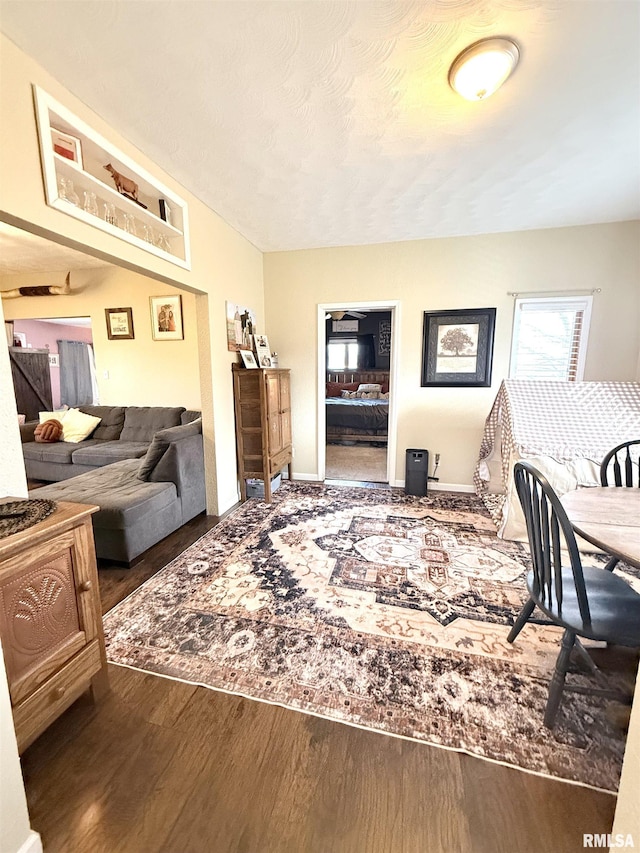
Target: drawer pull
pixel 85 586
pixel 59 692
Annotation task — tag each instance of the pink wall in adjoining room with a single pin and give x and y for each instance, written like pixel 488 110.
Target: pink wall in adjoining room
pixel 41 334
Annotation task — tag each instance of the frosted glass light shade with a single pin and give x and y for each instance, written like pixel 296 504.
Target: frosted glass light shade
pixel 483 67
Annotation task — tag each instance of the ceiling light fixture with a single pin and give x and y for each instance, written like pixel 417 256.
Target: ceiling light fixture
pixel 483 67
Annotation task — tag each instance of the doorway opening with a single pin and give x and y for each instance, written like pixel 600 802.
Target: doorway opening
pixel 355 411
pixel 53 364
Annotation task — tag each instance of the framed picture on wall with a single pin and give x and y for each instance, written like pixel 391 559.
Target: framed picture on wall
pixel 166 318
pixel 457 347
pixel 119 323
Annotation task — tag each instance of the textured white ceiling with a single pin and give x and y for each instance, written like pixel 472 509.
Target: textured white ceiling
pixel 21 252
pixel 318 123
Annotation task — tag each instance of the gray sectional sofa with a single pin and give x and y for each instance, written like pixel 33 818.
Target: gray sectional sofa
pixel 124 432
pixel 142 498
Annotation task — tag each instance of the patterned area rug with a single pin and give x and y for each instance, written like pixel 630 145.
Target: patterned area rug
pixel 372 608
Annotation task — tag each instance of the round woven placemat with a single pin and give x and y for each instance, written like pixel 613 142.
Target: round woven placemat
pixel 18 515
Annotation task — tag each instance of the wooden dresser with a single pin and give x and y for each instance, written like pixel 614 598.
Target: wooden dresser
pixel 263 424
pixel 50 618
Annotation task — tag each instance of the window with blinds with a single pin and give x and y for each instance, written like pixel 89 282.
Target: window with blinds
pixel 550 338
pixel 342 354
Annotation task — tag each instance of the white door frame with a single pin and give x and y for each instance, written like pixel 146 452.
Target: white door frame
pixel 389 305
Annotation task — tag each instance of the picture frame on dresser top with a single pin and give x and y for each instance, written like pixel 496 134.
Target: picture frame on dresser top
pixel 263 350
pixel 170 239
pixel 248 358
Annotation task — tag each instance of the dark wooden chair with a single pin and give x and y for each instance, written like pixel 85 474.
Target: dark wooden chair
pixel 620 467
pixel 586 601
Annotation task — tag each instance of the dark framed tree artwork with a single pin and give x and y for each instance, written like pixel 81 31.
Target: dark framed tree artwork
pixel 457 347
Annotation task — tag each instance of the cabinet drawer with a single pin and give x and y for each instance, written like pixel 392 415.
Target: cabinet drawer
pixel 34 714
pixel 280 460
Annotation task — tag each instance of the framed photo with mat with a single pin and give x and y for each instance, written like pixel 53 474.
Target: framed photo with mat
pixel 263 351
pixel 457 348
pixel 119 323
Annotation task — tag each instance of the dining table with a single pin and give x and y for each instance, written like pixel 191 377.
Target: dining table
pixel 607 517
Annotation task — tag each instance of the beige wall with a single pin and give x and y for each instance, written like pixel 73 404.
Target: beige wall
pixel 224 264
pixel 142 372
pixel 432 275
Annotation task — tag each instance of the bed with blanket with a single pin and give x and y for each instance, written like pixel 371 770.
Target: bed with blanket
pixel 563 428
pixel 357 406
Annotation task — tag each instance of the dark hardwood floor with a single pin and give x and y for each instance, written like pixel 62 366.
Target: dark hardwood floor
pixel 159 765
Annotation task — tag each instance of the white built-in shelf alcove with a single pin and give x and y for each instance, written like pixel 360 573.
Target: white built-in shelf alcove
pixel 71 151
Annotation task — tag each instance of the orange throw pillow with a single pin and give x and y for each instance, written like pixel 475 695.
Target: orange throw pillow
pixel 48 432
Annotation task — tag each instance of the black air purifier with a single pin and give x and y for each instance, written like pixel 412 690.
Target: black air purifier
pixel 416 472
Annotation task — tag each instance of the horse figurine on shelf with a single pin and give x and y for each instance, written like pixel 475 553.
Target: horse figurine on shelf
pixel 124 185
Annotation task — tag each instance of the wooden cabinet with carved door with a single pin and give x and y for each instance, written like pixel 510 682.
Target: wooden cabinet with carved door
pixel 263 424
pixel 50 618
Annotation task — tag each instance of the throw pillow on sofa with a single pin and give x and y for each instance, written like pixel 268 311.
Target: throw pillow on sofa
pixel 76 426
pixel 52 416
pixel 161 441
pixel 48 432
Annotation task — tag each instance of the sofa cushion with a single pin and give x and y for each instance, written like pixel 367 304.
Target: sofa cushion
pixel 190 415
pixel 142 422
pixel 60 451
pixel 123 499
pixel 111 421
pixel 161 441
pixel 107 452
pixel 76 426
pixel 43 417
pixel 151 458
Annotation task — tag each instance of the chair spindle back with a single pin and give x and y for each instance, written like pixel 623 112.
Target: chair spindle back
pixel 622 465
pixel 550 532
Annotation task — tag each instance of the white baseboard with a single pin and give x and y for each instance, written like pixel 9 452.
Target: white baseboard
pixel 441 487
pixel 33 844
pixel 451 487
pixel 433 487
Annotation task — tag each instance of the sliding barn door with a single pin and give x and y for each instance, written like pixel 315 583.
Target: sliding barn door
pixel 31 381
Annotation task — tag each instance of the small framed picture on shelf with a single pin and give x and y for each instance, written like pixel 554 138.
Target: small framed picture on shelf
pixel 165 211
pixel 248 358
pixel 67 146
pixel 263 352
pixel 119 323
